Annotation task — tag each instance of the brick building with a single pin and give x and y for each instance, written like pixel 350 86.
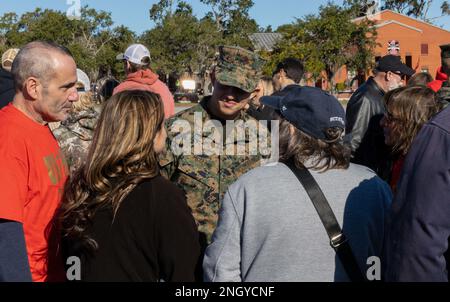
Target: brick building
pixel 419 41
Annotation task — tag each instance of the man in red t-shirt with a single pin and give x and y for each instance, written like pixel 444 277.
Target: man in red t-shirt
pixel 33 169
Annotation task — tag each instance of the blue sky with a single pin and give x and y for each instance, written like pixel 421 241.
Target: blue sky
pixel 134 13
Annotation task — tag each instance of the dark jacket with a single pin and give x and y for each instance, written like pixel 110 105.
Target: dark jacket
pixel 419 230
pixel 364 113
pixel 6 88
pixel 444 94
pixel 153 237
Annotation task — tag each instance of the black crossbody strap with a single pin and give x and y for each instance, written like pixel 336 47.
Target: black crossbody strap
pixel 337 239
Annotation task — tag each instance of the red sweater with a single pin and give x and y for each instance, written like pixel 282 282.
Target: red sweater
pixel 147 80
pixel 440 78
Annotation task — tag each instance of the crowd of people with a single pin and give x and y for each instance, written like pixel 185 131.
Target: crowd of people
pixel 94 173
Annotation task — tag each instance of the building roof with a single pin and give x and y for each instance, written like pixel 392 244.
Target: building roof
pixel 388 10
pixel 398 23
pixel 265 41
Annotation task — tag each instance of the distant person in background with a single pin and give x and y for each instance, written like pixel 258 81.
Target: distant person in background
pixel 104 89
pixel 444 91
pixel 443 71
pixel 6 79
pixel 8 58
pixel 75 134
pixel 420 79
pixel 136 61
pixel 365 110
pixel 407 110
pixel 286 76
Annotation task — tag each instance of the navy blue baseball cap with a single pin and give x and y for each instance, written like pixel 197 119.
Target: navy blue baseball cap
pixel 309 109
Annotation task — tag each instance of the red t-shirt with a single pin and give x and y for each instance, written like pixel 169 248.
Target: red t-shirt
pixel 32 176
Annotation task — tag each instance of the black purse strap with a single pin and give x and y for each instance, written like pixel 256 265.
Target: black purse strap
pixel 337 239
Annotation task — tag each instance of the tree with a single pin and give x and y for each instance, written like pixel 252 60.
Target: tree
pixel 326 42
pixel 92 40
pixel 233 21
pixel 8 23
pixel 180 42
pixel 415 8
pixel 172 42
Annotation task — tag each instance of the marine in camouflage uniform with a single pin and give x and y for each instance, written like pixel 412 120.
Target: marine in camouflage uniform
pixel 75 134
pixel 205 178
pixel 444 92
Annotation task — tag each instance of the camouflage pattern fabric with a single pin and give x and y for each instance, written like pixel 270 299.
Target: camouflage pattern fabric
pixel 75 134
pixel 205 178
pixel 239 68
pixel 444 95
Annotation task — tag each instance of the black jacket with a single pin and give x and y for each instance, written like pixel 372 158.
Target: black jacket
pixel 364 113
pixel 153 237
pixel 6 88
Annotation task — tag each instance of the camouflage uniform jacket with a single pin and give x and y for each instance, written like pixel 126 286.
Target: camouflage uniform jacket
pixel 205 178
pixel 444 94
pixel 75 134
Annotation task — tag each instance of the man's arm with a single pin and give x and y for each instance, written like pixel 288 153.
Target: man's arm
pixel 358 117
pixel 13 195
pixel 14 266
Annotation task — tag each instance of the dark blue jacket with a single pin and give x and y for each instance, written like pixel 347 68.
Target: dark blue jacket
pixel 419 231
pixel 7 91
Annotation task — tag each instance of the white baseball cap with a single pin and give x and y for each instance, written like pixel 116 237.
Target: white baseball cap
pixel 135 54
pixel 8 57
pixel 83 78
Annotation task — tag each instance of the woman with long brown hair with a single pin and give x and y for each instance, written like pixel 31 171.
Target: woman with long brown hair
pixel 407 110
pixel 124 220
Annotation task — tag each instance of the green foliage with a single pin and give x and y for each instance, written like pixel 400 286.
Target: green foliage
pixel 180 42
pixel 92 39
pixel 326 42
pixel 341 86
pixel 233 21
pixel 419 9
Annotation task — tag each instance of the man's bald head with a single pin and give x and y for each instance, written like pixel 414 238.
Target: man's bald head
pixel 36 59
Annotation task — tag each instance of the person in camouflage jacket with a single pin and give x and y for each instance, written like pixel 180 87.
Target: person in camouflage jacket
pixel 205 175
pixel 75 134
